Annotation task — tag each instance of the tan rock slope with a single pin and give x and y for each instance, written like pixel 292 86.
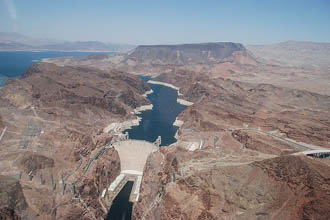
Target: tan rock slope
pixel 52 152
pixel 245 165
pixel 186 187
pixel 239 170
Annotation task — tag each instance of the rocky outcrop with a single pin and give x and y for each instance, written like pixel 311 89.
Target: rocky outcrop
pixel 287 187
pixel 90 187
pixel 307 178
pixel 262 143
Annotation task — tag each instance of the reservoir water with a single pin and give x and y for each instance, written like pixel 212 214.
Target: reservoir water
pixel 158 121
pixel 15 63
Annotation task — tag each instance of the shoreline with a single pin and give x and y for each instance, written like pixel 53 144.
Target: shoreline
pixel 142 108
pixel 163 84
pixel 119 127
pixel 177 122
pixel 178 100
pixel 147 93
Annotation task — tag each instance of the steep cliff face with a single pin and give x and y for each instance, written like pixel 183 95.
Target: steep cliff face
pixel 90 186
pixel 203 58
pixel 54 143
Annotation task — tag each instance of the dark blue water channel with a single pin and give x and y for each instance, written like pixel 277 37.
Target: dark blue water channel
pixel 158 121
pixel 121 208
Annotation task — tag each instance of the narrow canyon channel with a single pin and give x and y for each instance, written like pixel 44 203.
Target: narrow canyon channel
pixel 156 122
pixel 121 208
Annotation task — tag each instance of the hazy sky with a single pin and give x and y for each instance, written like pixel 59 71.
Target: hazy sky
pixel 169 21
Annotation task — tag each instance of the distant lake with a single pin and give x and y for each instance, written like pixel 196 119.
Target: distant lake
pixel 15 63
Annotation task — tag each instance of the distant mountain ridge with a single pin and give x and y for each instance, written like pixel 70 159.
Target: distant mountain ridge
pixel 185 53
pixel 16 41
pixel 294 53
pixel 152 59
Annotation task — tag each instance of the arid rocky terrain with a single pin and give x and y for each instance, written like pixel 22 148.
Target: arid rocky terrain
pixel 238 154
pixel 245 167
pixel 298 65
pixel 54 162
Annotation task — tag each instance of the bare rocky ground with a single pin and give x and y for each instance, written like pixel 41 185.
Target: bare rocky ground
pixel 244 167
pixel 54 119
pixel 247 120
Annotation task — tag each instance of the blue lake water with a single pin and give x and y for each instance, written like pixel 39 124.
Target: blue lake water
pixel 15 63
pixel 158 121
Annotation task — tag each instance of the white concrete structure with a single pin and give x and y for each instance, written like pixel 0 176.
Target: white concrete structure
pixel 137 188
pixel 133 155
pixel 317 153
pixel 116 182
pixel 103 193
pixel 3 133
pixel 132 172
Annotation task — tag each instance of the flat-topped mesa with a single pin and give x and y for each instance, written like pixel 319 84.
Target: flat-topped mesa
pixel 186 53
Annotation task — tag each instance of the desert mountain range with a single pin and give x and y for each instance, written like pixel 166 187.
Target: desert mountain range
pixel 254 112
pixel 16 41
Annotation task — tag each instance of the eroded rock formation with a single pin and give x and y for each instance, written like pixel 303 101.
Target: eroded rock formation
pixel 54 150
